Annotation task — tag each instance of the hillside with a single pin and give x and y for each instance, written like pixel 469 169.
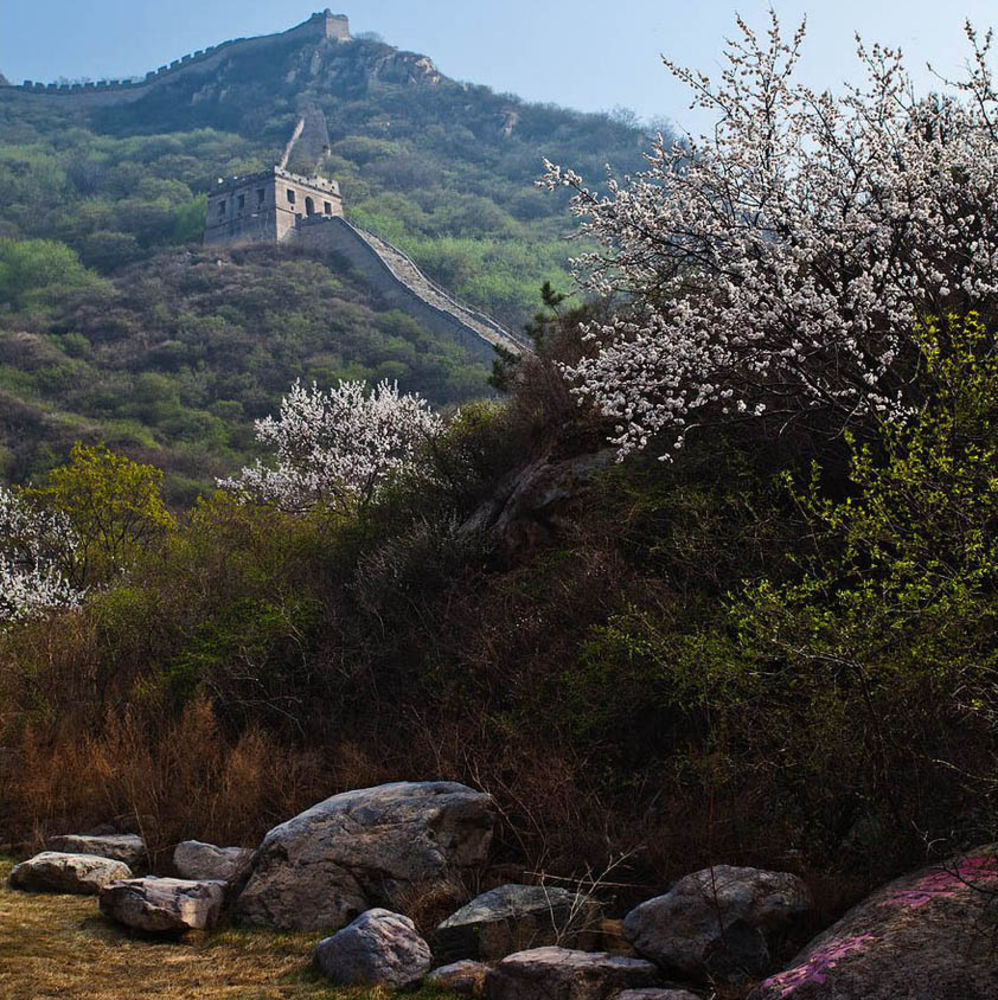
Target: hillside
pixel 119 175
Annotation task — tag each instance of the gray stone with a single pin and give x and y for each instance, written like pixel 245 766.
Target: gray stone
pixel 163 905
pixel 363 849
pixel 656 994
pixel 563 974
pixel 925 936
pixel 466 978
pixel 721 923
pixel 378 948
pixel 514 918
pixel 195 860
pixel 79 874
pixel 127 847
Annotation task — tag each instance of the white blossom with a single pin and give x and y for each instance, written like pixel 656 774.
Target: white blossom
pixel 337 446
pixel 34 546
pixel 782 265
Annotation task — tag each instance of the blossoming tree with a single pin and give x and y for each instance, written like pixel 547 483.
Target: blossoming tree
pixel 35 545
pixel 336 446
pixel 782 265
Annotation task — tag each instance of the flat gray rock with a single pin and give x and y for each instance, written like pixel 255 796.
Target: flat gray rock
pixel 163 905
pixel 465 978
pixel 563 974
pixel 925 936
pixel 78 874
pixel 378 948
pixel 127 847
pixel 722 923
pixel 365 849
pixel 656 994
pixel 196 860
pixel 514 918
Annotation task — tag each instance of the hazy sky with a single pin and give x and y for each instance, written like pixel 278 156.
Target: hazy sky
pixel 581 54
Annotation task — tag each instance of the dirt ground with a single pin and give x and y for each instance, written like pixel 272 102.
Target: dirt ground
pixel 60 946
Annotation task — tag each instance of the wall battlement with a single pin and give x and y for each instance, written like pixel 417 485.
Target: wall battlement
pixel 321 26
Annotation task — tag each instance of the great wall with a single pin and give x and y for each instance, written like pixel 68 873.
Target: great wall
pixel 278 206
pixel 322 26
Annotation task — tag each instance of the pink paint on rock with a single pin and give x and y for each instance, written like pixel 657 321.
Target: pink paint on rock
pixel 817 967
pixel 944 884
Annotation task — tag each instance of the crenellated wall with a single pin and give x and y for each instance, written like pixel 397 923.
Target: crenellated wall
pixel 319 27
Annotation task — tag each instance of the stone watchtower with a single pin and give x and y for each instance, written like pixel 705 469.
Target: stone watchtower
pixel 268 207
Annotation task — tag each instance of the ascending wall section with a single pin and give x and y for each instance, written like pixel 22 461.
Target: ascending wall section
pixel 399 282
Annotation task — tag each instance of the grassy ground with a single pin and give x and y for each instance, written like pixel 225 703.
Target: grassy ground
pixel 60 946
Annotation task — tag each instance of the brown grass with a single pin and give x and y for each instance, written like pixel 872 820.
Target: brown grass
pixel 54 945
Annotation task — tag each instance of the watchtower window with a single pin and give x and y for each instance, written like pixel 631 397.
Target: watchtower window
pixel 221 209
pixel 327 208
pixel 291 196
pixel 242 202
pixel 261 196
pixel 309 206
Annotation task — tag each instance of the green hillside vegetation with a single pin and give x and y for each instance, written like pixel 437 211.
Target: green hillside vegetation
pixel 171 357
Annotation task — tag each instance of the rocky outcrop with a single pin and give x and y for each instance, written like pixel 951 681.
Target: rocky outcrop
pixel 378 948
pixel 78 874
pixel 196 860
pixel 720 923
pixel 127 847
pixel 163 905
pixel 363 849
pixel 926 936
pixel 534 504
pixel 465 978
pixel 562 974
pixel 514 918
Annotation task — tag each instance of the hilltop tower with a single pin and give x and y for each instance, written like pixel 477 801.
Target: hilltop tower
pixel 268 207
pixel 336 25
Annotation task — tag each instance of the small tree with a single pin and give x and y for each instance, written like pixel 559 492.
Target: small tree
pixel 336 447
pixel 35 548
pixel 782 266
pixel 113 504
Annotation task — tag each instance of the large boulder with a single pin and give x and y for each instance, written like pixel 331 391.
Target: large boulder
pixel 364 849
pixel 79 874
pixel 656 994
pixel 163 905
pixel 378 948
pixel 465 978
pixel 514 918
pixel 195 860
pixel 127 847
pixel 926 936
pixel 563 974
pixel 722 923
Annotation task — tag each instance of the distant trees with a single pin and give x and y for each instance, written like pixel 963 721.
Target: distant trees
pixel 783 266
pixel 336 447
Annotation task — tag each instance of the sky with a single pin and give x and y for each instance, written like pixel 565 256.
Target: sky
pixel 580 54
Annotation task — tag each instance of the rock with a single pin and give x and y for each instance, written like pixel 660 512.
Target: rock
pixel 163 905
pixel 656 994
pixel 532 505
pixel 562 974
pixel 514 918
pixel 363 849
pixel 466 978
pixel 926 936
pixel 127 847
pixel 720 923
pixel 80 874
pixel 379 947
pixel 195 860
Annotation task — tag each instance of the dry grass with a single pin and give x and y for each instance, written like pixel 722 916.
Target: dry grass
pixel 60 946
